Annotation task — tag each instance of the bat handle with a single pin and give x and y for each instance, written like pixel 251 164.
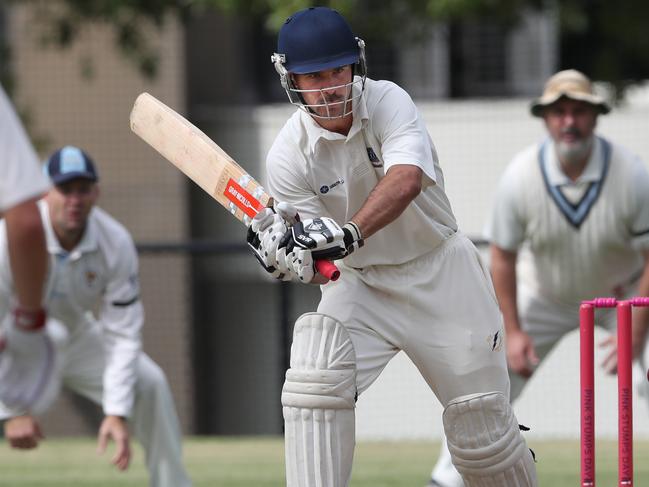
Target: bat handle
pixel 327 269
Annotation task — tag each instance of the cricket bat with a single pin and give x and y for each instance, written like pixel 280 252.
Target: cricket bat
pixel 205 163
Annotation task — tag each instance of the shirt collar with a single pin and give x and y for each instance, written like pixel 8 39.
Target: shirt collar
pixel 87 244
pixel 592 172
pixel 315 132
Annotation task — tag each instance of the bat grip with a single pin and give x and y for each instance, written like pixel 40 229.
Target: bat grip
pixel 327 269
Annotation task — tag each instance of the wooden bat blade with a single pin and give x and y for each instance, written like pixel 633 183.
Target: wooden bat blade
pixel 198 157
pixel 204 162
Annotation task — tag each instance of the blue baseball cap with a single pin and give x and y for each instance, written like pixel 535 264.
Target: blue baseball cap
pixel 70 163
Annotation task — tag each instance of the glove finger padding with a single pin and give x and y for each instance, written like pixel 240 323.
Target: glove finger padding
pixel 288 212
pixel 302 264
pixel 264 236
pixel 283 270
pixel 262 220
pixel 298 263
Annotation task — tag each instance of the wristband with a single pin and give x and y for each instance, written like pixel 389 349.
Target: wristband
pixel 28 320
pixel 353 238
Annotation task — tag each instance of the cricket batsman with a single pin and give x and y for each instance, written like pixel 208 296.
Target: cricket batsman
pixel 360 183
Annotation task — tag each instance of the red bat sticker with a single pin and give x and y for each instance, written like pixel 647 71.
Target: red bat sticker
pixel 242 199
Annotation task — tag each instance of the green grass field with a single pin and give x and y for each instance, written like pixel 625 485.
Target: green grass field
pixel 258 462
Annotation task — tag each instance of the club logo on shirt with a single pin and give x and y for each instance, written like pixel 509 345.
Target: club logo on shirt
pixel 91 276
pixel 374 159
pixel 325 189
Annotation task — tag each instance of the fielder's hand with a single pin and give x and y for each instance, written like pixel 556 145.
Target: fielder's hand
pixel 115 427
pixel 521 356
pixel 28 363
pixel 23 432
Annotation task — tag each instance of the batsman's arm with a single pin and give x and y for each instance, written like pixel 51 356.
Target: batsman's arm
pixel 388 199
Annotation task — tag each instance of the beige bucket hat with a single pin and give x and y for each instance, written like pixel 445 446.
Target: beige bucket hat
pixel 570 84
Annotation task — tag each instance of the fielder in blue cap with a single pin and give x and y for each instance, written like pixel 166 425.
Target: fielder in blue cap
pixel 70 163
pixel 95 317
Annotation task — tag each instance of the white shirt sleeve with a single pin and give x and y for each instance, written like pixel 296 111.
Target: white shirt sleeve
pixel 640 223
pixel 121 317
pixel 21 178
pixel 506 224
pixel 402 133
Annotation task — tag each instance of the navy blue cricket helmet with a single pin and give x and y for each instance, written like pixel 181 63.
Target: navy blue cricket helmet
pixel 317 39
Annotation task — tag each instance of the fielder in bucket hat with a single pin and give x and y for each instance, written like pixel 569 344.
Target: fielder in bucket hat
pixel 572 84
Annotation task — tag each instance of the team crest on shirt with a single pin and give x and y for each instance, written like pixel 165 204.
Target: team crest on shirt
pixel 496 341
pixel 91 277
pixel 374 159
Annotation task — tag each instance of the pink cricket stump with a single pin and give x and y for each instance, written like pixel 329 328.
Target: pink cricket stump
pixel 624 384
pixel 624 395
pixel 587 378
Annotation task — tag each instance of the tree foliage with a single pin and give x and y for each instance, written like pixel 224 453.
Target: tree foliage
pixel 597 36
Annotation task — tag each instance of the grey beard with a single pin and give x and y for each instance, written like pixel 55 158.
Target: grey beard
pixel 574 153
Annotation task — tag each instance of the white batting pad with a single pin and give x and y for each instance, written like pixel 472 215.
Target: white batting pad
pixel 318 400
pixel 485 442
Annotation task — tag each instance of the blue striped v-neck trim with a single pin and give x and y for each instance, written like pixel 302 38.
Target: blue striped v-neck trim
pixel 576 213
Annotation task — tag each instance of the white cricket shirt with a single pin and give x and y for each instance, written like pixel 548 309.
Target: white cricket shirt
pixel 578 240
pixel 324 173
pixel 20 175
pixel 99 277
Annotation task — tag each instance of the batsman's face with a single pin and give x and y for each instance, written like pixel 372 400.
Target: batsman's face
pixel 571 123
pixel 70 204
pixel 326 92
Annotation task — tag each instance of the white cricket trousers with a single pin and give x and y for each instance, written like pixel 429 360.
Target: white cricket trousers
pixel 440 309
pixel 153 420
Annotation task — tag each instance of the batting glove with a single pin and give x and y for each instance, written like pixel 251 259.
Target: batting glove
pixel 324 238
pixel 315 239
pixel 265 233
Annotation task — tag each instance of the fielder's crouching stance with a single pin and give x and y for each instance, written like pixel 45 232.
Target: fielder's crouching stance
pixel 360 183
pixel 94 323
